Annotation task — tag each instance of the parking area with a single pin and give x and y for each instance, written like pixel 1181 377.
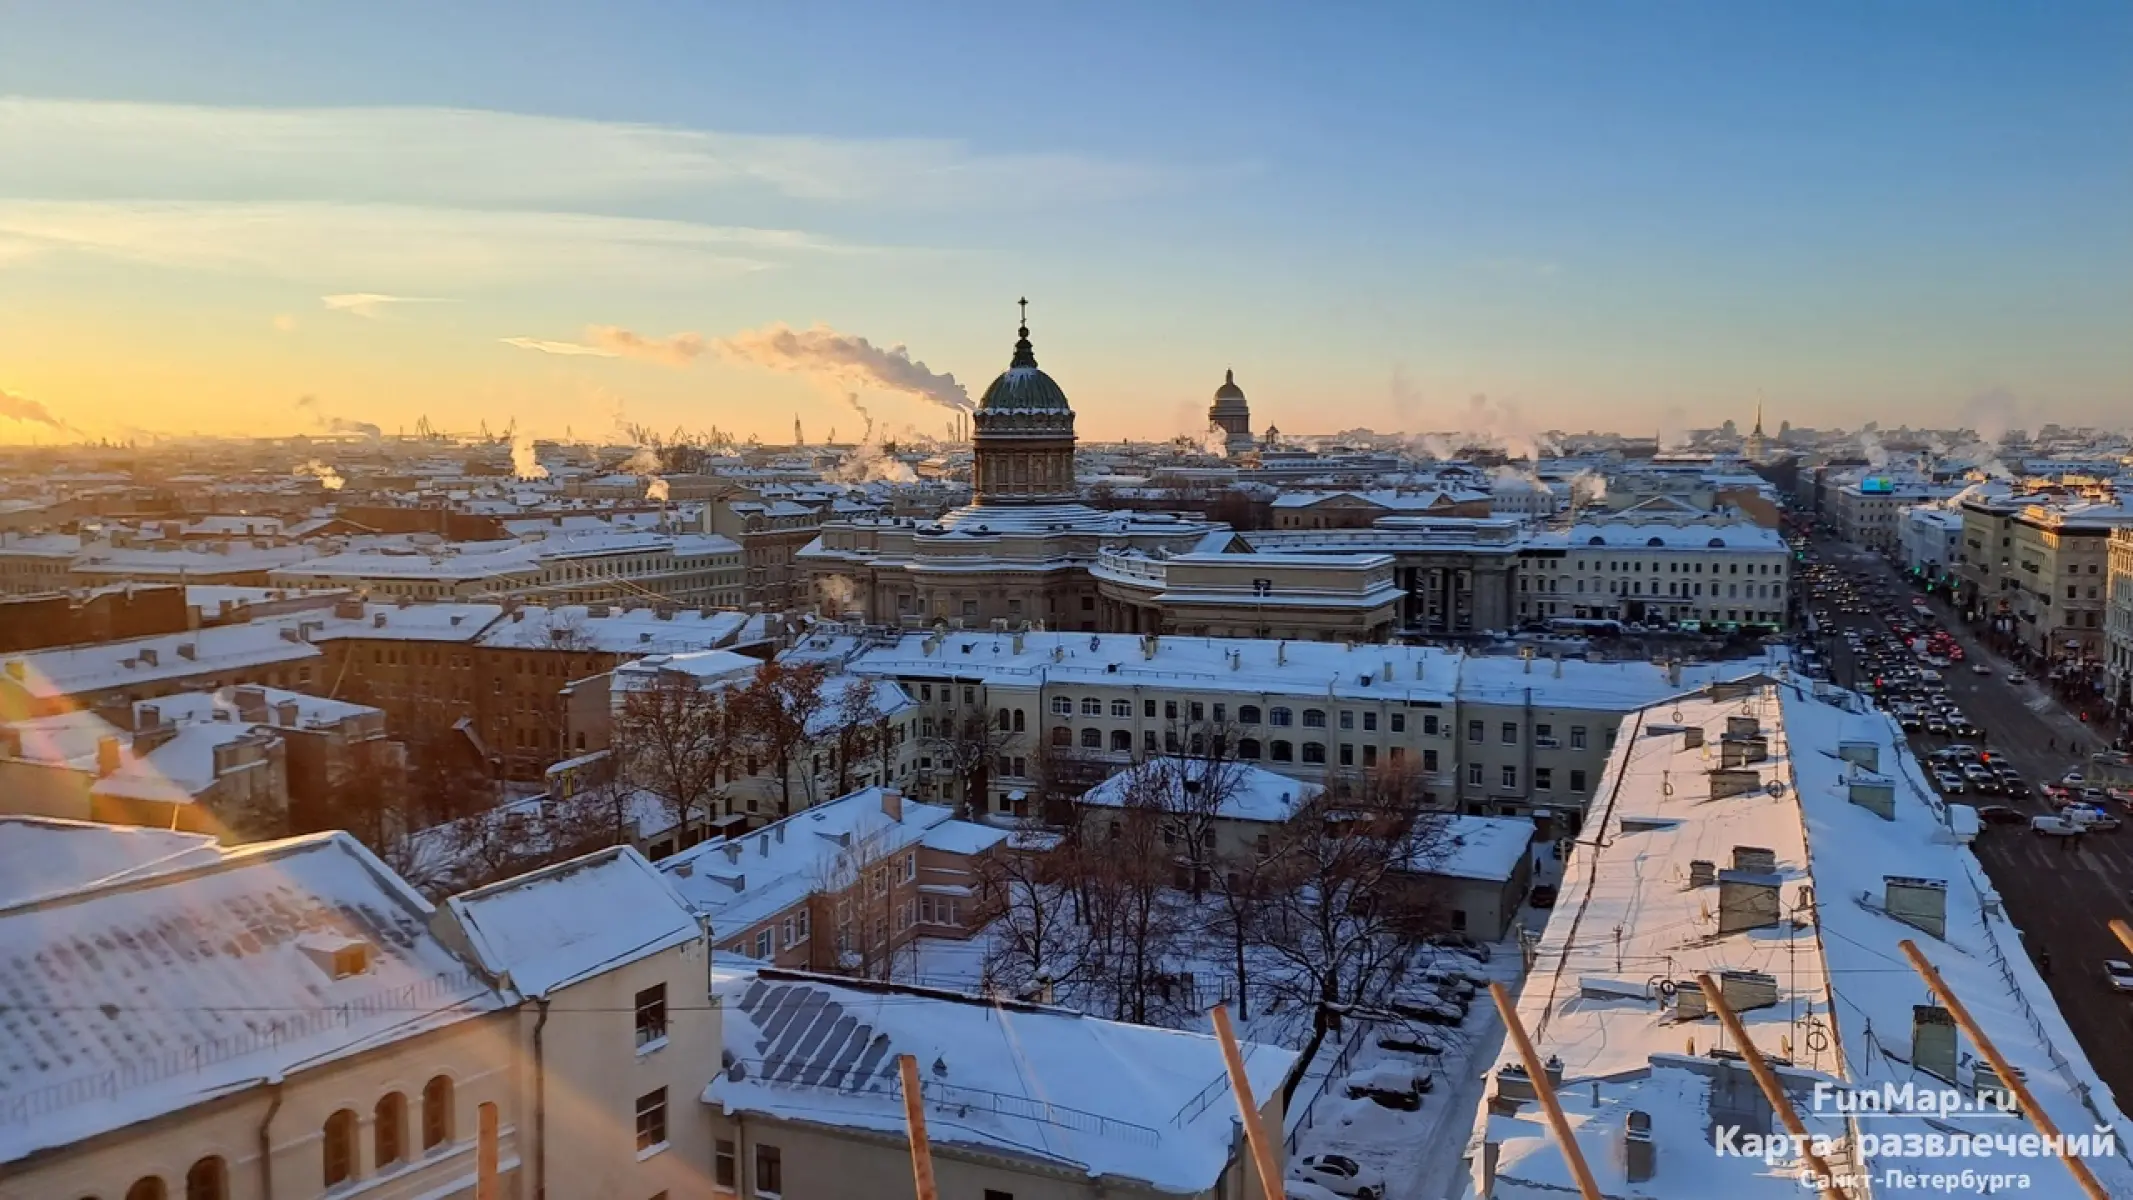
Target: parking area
pixel 2060 891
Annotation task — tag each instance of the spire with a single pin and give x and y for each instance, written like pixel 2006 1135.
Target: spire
pixel 1025 354
pixel 1229 376
pixel 1758 418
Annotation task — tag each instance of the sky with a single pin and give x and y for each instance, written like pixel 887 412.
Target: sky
pixel 252 218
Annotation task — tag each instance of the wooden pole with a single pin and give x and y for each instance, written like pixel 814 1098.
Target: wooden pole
pixel 915 1121
pixel 1767 1080
pixel 488 1138
pixel 2008 1075
pixel 2124 932
pixel 1537 1072
pixel 1270 1185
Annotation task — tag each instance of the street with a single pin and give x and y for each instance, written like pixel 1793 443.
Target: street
pixel 2060 895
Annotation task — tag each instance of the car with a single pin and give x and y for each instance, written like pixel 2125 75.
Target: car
pixel 1543 896
pixel 2017 677
pixel 2073 778
pixel 2091 818
pixel 2050 826
pixel 2118 975
pixel 1949 782
pixel 1429 1011
pixel 1980 669
pixel 2014 785
pixel 1937 724
pixel 1463 943
pixel 1410 1043
pixel 2000 814
pixel 1339 1174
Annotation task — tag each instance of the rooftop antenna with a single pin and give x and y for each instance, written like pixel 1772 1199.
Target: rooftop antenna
pixel 1773 1091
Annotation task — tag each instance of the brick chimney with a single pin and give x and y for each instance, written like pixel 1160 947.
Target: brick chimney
pixel 892 804
pixel 107 756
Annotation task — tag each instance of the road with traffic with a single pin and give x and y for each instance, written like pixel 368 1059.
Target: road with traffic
pixel 2060 894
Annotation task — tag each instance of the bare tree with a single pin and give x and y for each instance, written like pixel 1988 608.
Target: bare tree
pixel 778 711
pixel 674 736
pixel 862 728
pixel 1039 940
pixel 1241 880
pixel 966 747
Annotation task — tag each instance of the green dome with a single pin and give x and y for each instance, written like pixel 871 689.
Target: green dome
pixel 1022 387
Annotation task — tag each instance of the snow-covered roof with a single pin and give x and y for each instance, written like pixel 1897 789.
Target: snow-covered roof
pixel 428 622
pixel 745 880
pixel 1100 1098
pixel 1288 669
pixel 550 928
pixel 1469 847
pixel 178 767
pixel 230 704
pixel 1841 999
pixel 704 666
pixel 1695 535
pixel 1399 501
pixel 94 1041
pixel 618 631
pixel 43 855
pixel 49 674
pixel 1244 792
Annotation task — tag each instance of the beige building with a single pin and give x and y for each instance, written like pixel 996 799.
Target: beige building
pixel 1303 597
pixel 2118 621
pixel 2060 580
pixel 691 570
pixel 1680 568
pixel 1869 511
pixel 770 532
pixel 226 779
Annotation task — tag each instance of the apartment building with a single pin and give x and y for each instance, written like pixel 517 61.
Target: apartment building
pixel 1932 539
pixel 2060 583
pixel 225 780
pixel 1868 511
pixel 1490 735
pixel 1733 575
pixel 768 532
pixel 37 562
pixel 1362 509
pixel 2118 622
pixel 570 567
pixel 1987 572
pixel 46 682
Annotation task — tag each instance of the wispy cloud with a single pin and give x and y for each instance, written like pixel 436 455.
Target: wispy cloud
pixel 480 158
pixel 613 341
pixel 412 248
pixel 370 305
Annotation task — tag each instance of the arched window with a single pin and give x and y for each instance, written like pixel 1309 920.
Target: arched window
pixel 1121 708
pixel 1279 716
pixel 1314 752
pixel 436 1112
pixel 1314 718
pixel 389 1129
pixel 1122 740
pixel 208 1180
pixel 340 1147
pixel 1248 749
pixel 148 1187
pixel 1283 752
pixel 1002 719
pixel 1247 714
pixel 1062 737
pixel 1092 738
pixel 1018 720
pixel 1654 542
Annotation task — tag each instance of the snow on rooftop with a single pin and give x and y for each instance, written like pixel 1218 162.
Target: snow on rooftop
pixel 233 703
pixel 1245 792
pixel 43 855
pixel 556 926
pixel 51 674
pixel 93 1041
pixel 1634 913
pixel 1095 1097
pixel 178 768
pixel 609 630
pixel 1471 847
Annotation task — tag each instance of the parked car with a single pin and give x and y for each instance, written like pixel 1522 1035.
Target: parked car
pixel 1463 943
pixel 1339 1174
pixel 1410 1043
pixel 2090 817
pixel 1390 1091
pixel 2000 814
pixel 2118 975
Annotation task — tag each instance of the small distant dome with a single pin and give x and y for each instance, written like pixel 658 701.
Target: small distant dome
pixel 1229 389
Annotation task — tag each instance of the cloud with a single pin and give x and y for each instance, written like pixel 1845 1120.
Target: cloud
pixel 613 341
pixel 29 412
pixel 843 361
pixel 411 248
pixel 475 158
pixel 370 305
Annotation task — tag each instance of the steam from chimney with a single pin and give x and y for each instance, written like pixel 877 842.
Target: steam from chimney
pixel 677 351
pixel 845 361
pixel 329 478
pixel 30 412
pixel 839 595
pixel 867 435
pixel 657 490
pixel 333 424
pixel 523 463
pixel 1870 445
pixel 1673 429
pixel 644 461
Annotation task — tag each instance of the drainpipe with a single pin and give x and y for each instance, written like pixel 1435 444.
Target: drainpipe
pixel 266 1138
pixel 743 1175
pixel 540 1104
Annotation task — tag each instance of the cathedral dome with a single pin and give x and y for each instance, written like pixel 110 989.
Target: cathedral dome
pixel 1022 387
pixel 1229 389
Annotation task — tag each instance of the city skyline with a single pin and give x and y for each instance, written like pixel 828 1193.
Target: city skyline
pixel 1638 220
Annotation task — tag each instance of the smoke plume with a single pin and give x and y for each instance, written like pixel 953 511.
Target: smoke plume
pixel 644 461
pixel 1499 424
pixel 333 424
pixel 866 435
pixel 523 463
pixel 839 595
pixel 30 412
pixel 1870 445
pixel 871 465
pixel 1587 487
pixel 658 490
pixel 328 478
pixel 845 361
pixel 1673 428
pixel 677 351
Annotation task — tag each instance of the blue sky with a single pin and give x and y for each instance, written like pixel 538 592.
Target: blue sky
pixel 1616 216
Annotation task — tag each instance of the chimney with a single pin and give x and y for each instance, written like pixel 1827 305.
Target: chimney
pixel 733 852
pixel 1991 1091
pixel 1933 1041
pixel 1860 753
pixel 1919 903
pixel 1746 990
pixel 1692 737
pixel 1877 796
pixel 146 716
pixel 147 656
pixel 762 846
pixel 1148 645
pixel 377 620
pixel 1747 900
pixel 188 650
pixel 1743 727
pixel 1281 654
pixel 1735 781
pixel 107 756
pixel 1755 858
pixel 892 804
pixel 1640 1159
pixel 1740 752
pixel 1689 1001
pixel 1018 641
pixel 1702 872
pixel 285 713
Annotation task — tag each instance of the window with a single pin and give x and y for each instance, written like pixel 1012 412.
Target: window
pixel 1284 752
pixel 1577 737
pixel 1314 752
pixel 1543 731
pixel 1091 706
pixel 148 1187
pixel 722 1165
pixel 1247 714
pixel 1314 718
pixel 1347 718
pixel 1509 733
pixel 1092 738
pixel 769 1169
pixel 1063 706
pixel 1577 780
pixel 1121 708
pixel 1370 722
pixel 1248 749
pixel 652 1120
pixel 1221 713
pixel 1399 723
pixel 652 1006
pixel 208 1180
pixel 1476 732
pixel 1473 774
pixel 388 1129
pixel 1018 721
pixel 1510 777
pixel 1148 709
pixel 762 945
pixel 997 1194
pixel 1280 716
pixel 436 1112
pixel 1429 759
pixel 1544 778
pixel 1347 755
pixel 1122 741
pixel 340 1147
pixel 1197 711
pixel 803 925
pixel 1062 736
pixel 1370 755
